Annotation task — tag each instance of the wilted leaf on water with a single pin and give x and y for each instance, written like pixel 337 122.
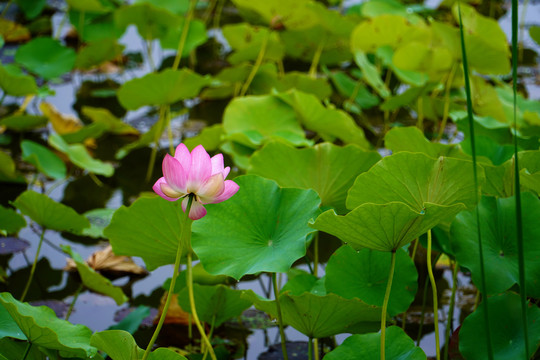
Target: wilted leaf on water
pixel 41 327
pixel 49 213
pixel 10 221
pixel 105 260
pixel 10 31
pixel 46 57
pixel 61 123
pixel 111 122
pixel 43 159
pixel 94 281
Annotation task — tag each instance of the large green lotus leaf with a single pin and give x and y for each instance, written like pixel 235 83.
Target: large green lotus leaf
pixel 497 225
pixel 99 219
pixel 94 26
pixel 111 122
pixel 43 159
pixel 432 59
pixel 31 8
pixel 371 74
pixel 178 7
pixel 49 213
pixel 376 8
pixel 120 345
pixel 534 32
pixel 411 139
pixel 485 42
pixel 411 77
pixel 151 21
pixel 215 304
pixel 94 281
pixel 398 346
pixel 327 122
pixel 326 168
pixel 391 30
pixel 23 122
pixel 14 82
pixel 506 328
pixel 150 228
pixel 79 156
pixel 416 179
pixel 98 52
pixel 164 88
pixel 351 88
pixel 321 316
pixel 384 227
pixel 10 221
pixel 91 6
pixel 247 40
pixel 46 57
pixel 210 138
pixel 253 120
pixel 486 147
pixel 8 326
pixel 14 349
pixel 196 36
pixel 41 327
pixel 305 83
pixel 364 275
pixel 294 15
pixel 261 228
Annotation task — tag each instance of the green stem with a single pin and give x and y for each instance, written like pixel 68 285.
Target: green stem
pixel 385 304
pixel 449 322
pixel 316 59
pixel 280 319
pixel 169 129
pixel 446 109
pixel 204 338
pixel 256 66
pixel 75 297
pixel 29 281
pixel 435 299
pixel 517 190
pixel 60 26
pixel 185 234
pixel 420 113
pixel 27 350
pixel 310 348
pixel 404 319
pixel 476 184
pixel 316 348
pixel 422 313
pixel 316 255
pixel 183 36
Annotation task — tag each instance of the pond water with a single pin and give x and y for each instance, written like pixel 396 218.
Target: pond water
pixel 100 312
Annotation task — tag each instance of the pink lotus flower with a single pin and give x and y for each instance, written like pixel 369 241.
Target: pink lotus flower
pixel 196 174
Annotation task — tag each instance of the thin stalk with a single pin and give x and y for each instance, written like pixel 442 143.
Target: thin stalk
pixel 316 255
pixel 475 174
pixel 385 304
pixel 169 129
pixel 204 338
pixel 450 321
pixel 186 234
pixel 27 350
pixel 148 46
pixel 183 36
pixel 316 58
pixel 435 300
pixel 75 297
pixel 310 348
pixel 422 314
pixel 517 191
pixel 217 15
pixel 5 11
pixel 60 26
pixel 446 108
pixel 316 348
pixel 420 113
pixel 95 179
pixel 29 281
pixel 404 319
pixel 256 66
pixel 209 10
pixel 280 318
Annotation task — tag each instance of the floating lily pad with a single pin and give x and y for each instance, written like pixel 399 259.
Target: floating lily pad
pixel 150 228
pixel 78 155
pixel 14 82
pixel 49 213
pixel 94 281
pixel 215 304
pixel 46 57
pixel 152 22
pixel 506 329
pixel 253 120
pixel 320 316
pixel 328 169
pixel 164 88
pixel 364 275
pixel 41 327
pixel 10 221
pixel 247 40
pixel 497 225
pixel 23 122
pixel 43 159
pixel 398 345
pixel 261 228
pixel 98 52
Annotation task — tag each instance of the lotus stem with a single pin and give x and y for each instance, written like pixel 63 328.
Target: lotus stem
pixel 204 338
pixel 316 255
pixel 316 348
pixel 385 304
pixel 33 270
pixel 420 112
pixel 449 322
pixel 75 297
pixel 186 233
pixel 280 319
pixel 446 108
pixel 413 255
pixel 316 58
pixel 256 66
pixel 310 348
pixel 422 314
pixel 435 299
pixel 183 36
pixel 27 350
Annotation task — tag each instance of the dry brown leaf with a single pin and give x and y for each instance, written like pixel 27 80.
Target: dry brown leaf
pixel 61 123
pixel 175 314
pixel 13 32
pixel 106 261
